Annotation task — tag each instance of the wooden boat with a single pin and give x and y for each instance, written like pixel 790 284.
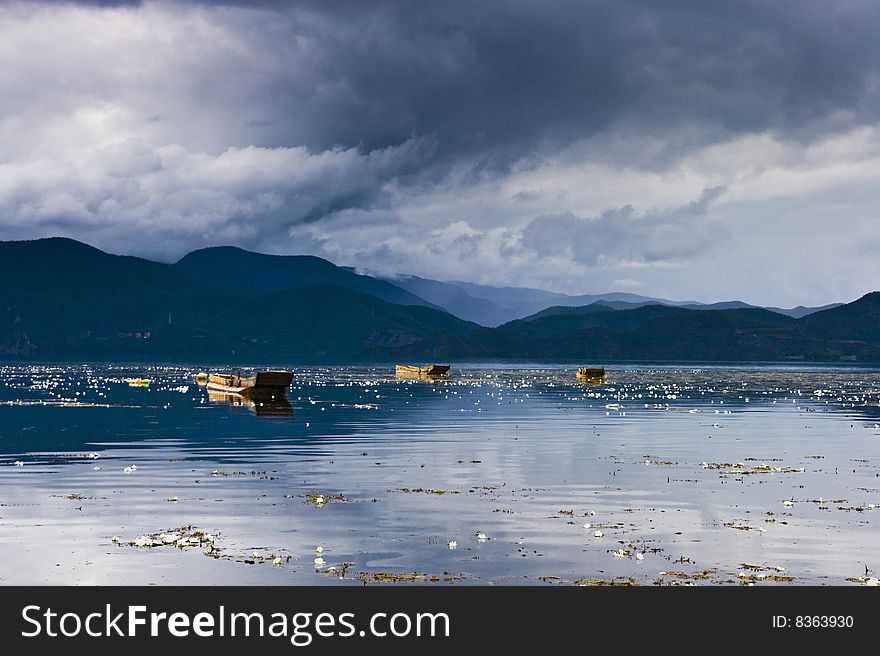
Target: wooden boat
pixel 262 383
pixel 429 370
pixel 592 374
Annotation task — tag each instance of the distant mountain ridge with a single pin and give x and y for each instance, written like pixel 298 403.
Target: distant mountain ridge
pixel 68 300
pixel 597 334
pixel 248 273
pixel 493 306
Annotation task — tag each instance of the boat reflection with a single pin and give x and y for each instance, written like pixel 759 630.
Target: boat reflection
pixel 262 406
pixel 430 378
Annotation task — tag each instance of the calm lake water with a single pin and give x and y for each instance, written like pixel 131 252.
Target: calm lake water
pixel 716 475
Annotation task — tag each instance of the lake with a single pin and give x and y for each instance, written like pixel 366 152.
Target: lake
pixel 673 475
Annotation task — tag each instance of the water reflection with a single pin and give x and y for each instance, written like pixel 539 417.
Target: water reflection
pixel 406 374
pixel 261 405
pixel 698 471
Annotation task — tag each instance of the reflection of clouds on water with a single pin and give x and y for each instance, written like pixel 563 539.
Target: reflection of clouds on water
pixel 698 469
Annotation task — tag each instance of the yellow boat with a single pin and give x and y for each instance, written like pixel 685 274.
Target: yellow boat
pixel 138 382
pixel 261 383
pixel 430 370
pixel 592 374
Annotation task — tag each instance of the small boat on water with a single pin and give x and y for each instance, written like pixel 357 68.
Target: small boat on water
pixel 138 382
pixel 261 383
pixel 592 374
pixel 431 370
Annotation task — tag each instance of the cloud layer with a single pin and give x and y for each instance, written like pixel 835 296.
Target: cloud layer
pixel 679 149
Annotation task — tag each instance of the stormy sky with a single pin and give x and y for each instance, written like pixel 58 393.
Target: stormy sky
pixel 693 150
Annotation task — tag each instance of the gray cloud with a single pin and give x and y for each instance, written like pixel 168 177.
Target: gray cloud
pixel 500 78
pixel 620 236
pixel 462 140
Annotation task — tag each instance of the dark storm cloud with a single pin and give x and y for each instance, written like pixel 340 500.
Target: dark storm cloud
pixel 89 3
pixel 497 80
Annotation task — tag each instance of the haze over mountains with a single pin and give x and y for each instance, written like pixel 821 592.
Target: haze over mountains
pixel 69 300
pixel 493 306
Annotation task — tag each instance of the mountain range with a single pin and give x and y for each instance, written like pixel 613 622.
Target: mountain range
pixel 493 306
pixel 68 300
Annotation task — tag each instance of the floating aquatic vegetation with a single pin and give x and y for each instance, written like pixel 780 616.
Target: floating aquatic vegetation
pixel 184 537
pixel 241 474
pixel 320 500
pixel 761 576
pixel 751 573
pixel 635 550
pixel 340 570
pixel 483 489
pixel 871 581
pixel 620 580
pixel 406 577
pixel 674 577
pixel 773 520
pixel 742 469
pixel 256 558
pixel 743 526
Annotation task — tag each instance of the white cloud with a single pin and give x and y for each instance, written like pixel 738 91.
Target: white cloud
pixel 253 194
